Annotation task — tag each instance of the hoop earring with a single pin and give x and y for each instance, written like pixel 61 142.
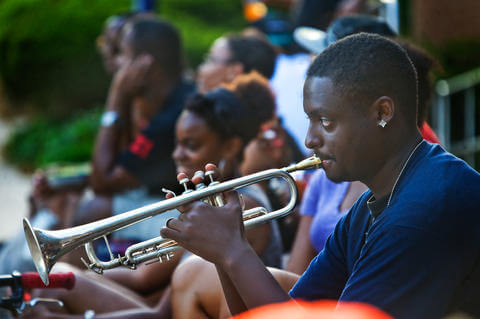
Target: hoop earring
pixel 382 123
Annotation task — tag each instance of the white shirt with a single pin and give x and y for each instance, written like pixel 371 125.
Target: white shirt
pixel 287 84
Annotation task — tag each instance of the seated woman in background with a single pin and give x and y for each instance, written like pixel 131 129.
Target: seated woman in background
pixel 234 54
pixel 214 127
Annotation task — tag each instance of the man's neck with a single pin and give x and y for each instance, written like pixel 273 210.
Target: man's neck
pixel 387 175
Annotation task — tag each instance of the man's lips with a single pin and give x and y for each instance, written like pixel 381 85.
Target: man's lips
pixel 325 157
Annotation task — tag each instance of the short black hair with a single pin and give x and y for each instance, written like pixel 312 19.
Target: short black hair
pixel 238 109
pixel 364 67
pixel 253 53
pixel 160 39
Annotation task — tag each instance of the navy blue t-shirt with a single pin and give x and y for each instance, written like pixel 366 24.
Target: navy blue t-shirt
pixel 149 156
pixel 419 259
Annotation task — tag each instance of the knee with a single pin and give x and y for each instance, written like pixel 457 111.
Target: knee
pixel 188 273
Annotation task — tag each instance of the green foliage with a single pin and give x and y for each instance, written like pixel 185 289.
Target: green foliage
pixel 48 62
pixel 201 22
pixel 47 52
pixel 48 58
pixel 44 141
pixel 457 56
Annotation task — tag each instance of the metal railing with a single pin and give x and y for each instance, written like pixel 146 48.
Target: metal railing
pixel 465 84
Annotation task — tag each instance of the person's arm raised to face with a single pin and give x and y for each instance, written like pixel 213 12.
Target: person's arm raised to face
pixel 107 177
pixel 217 235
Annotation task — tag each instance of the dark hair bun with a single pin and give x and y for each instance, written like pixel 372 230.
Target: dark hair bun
pixel 238 108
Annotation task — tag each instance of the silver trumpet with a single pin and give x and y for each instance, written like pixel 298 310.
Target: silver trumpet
pixel 46 246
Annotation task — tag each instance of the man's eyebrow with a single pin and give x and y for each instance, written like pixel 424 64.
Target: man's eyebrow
pixel 315 112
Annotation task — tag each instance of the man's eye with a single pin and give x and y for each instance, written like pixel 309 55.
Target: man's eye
pixel 325 122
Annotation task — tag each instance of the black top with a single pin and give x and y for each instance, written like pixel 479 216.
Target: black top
pixel 149 156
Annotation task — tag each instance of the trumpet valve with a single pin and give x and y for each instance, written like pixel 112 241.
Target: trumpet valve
pixel 217 199
pixel 198 179
pixel 183 180
pixel 209 174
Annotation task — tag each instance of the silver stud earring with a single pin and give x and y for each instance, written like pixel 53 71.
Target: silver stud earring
pixel 382 123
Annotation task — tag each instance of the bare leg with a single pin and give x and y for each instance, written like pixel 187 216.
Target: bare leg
pixel 196 291
pixel 92 291
pixel 193 278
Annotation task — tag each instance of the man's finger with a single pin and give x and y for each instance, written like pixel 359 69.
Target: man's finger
pixel 187 207
pixel 174 224
pixel 232 198
pixel 169 233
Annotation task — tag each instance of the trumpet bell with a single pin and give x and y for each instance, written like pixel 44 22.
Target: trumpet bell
pixel 41 264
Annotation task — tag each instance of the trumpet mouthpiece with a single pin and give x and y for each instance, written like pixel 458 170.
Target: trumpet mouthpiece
pixel 308 163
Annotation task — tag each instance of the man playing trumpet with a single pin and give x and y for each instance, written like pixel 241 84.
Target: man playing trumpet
pixel 409 245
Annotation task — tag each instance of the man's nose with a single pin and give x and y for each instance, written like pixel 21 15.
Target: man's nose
pixel 314 139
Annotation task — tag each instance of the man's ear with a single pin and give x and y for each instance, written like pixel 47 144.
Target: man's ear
pixel 384 110
pixel 234 69
pixel 232 147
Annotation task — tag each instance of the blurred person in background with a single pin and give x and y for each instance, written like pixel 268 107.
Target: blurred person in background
pixel 131 161
pixel 108 43
pixel 320 14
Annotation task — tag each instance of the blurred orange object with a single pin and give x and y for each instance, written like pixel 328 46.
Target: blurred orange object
pixel 254 10
pixel 324 309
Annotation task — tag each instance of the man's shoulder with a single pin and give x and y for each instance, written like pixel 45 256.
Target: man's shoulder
pixel 437 174
pixel 439 195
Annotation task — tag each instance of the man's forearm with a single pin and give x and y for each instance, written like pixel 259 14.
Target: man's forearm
pixel 234 300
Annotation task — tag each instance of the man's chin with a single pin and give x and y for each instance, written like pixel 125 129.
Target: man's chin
pixel 334 176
